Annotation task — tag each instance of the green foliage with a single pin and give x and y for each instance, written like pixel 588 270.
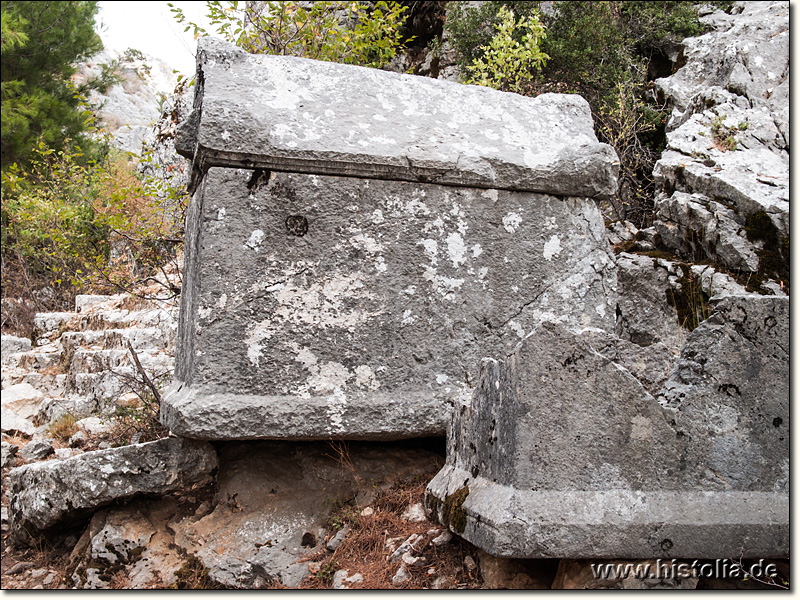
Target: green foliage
pixel 724 137
pixel 342 512
pixel 326 571
pixel 588 49
pixel 601 50
pixel 507 63
pixel 623 121
pixel 41 41
pixel 74 224
pixel 471 28
pixel 654 26
pixel 339 31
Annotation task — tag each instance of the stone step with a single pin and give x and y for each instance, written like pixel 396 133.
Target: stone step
pixel 50 384
pixel 140 337
pixel 41 359
pixel 101 374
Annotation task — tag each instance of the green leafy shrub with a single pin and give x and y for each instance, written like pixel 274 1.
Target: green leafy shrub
pixel 346 32
pixel 75 225
pixel 605 51
pixel 507 63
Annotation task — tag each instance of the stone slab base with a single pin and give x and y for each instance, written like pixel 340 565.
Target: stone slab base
pixel 197 413
pixel 617 523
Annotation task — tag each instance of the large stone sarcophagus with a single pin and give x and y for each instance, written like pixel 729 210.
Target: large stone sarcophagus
pixel 359 240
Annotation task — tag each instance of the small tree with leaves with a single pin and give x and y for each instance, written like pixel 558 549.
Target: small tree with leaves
pixel 359 33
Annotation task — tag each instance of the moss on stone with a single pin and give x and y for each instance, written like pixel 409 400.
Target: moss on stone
pixel 453 515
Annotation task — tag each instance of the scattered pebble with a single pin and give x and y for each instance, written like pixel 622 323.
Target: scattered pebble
pixel 442 539
pixel 469 562
pixel 414 514
pixel 368 512
pixel 412 560
pixel 401 576
pixel 19 568
pixel 337 540
pixel 406 546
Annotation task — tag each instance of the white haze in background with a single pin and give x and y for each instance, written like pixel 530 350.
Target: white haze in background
pixel 150 28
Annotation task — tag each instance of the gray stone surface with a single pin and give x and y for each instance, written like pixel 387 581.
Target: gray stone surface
pixel 373 322
pixel 643 315
pixel 44 494
pixel 272 493
pixel 37 449
pixel 12 344
pixel 300 115
pixel 8 451
pixel 737 75
pixel 729 392
pixel 562 452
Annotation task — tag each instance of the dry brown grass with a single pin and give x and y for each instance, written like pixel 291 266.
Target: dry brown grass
pixel 64 427
pixel 364 549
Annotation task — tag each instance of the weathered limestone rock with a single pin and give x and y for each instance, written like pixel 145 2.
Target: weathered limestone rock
pixel 294 114
pixel 44 494
pixel 12 344
pixel 271 494
pixel 562 453
pixel 22 399
pixel 37 449
pixel 724 179
pixel 730 391
pixel 131 543
pixel 12 423
pixel 8 451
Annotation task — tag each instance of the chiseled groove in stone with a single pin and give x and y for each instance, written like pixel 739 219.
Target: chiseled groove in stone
pixel 512 523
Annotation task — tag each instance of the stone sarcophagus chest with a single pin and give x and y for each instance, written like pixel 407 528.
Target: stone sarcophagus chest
pixel 358 240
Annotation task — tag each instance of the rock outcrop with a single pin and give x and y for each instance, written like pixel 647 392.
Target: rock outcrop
pixel 44 494
pixel 724 179
pixel 129 108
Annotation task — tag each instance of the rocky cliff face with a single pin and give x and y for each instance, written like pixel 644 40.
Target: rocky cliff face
pixel 129 109
pixel 724 179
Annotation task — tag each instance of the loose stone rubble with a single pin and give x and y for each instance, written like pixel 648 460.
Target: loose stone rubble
pixel 562 452
pixel 373 299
